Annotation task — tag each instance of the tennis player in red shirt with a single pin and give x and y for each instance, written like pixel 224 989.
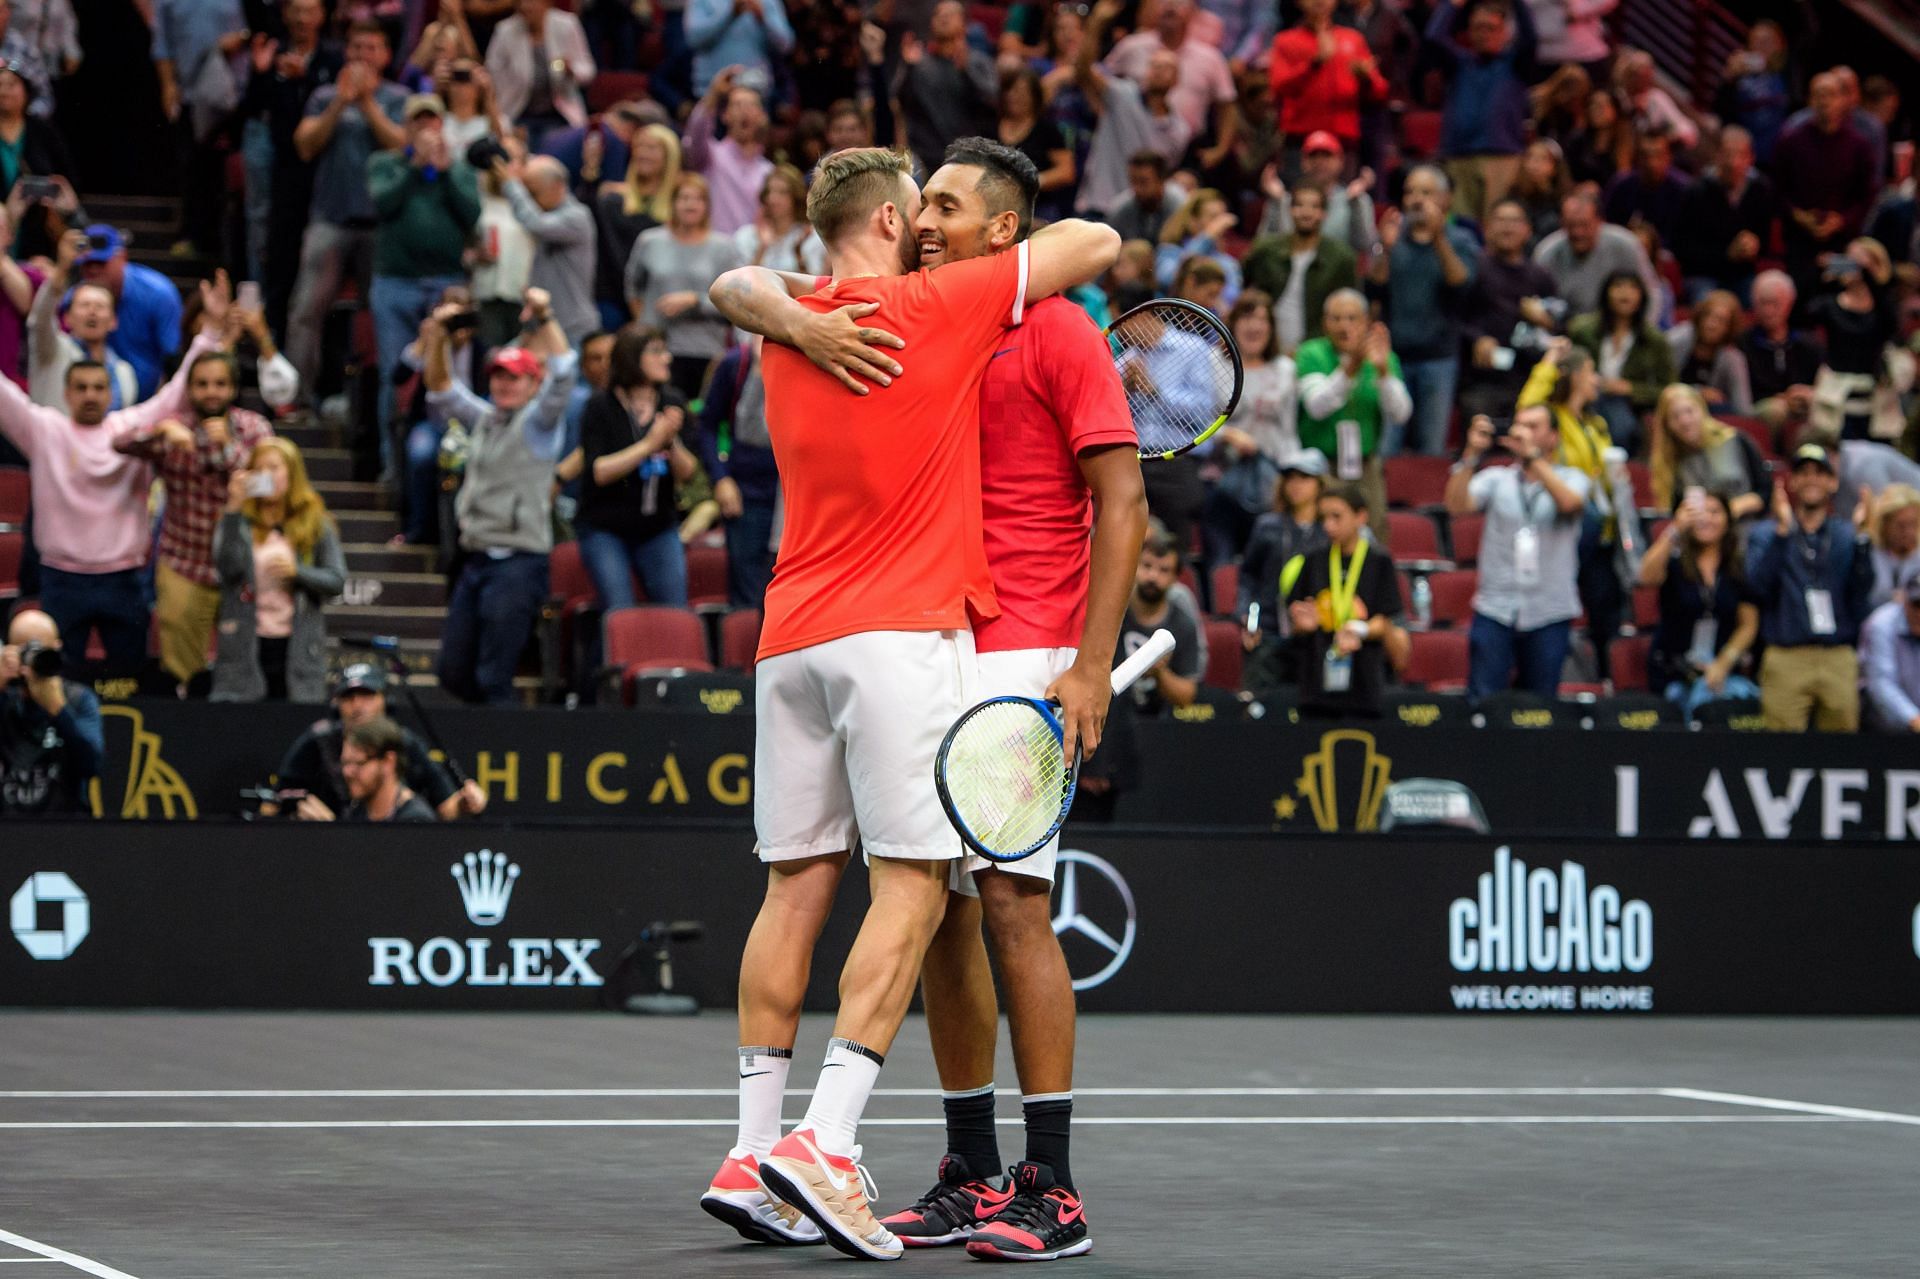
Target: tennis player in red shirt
pixel 866 657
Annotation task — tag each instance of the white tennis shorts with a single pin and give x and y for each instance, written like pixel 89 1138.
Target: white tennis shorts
pixel 1023 672
pixel 845 737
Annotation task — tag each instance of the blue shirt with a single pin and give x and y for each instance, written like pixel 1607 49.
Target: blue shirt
pixel 567 145
pixel 340 192
pixel 721 38
pixel 1422 309
pixel 1180 367
pixel 1890 656
pixel 149 325
pixel 184 31
pixel 1487 108
pixel 1783 569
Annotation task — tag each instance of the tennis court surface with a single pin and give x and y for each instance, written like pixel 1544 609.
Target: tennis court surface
pixel 241 1146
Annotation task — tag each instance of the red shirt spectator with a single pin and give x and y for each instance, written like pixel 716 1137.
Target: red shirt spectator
pixel 1319 74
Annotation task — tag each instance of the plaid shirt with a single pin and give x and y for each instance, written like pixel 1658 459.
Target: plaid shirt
pixel 197 490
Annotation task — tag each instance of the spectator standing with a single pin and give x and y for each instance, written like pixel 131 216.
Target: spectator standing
pixel 1301 269
pixel 1203 90
pixel 1422 278
pixel 1890 662
pixel 49 29
pixel 501 259
pixel 1276 551
pixel 1896 543
pixel 1703 643
pixel 1133 117
pixel 90 322
pixel 197 47
pixel 51 744
pixel 539 62
pixel 1859 311
pixel 1812 576
pixel 1342 607
pixel 1396 47
pixel 1726 221
pixel 1602 145
pixel 279 560
pixel 1540 188
pixel 1349 208
pixel 1261 434
pixel 736 165
pixel 427 201
pixel 91 527
pixel 1651 191
pixel 630 440
pixel 602 148
pixel 504 508
pixel 1174 681
pixel 1321 74
pixel 1587 250
pixel 422 505
pixel 746 483
pixel 780 239
pixel 1707 353
pixel 1634 358
pixel 472 114
pixel 1782 363
pixel 563 235
pixel 1754 92
pixel 196 473
pixel 370 764
pixel 1025 126
pixel 1646 105
pixel 946 88
pixel 300 64
pixel 1241 29
pixel 1483 128
pixel 642 201
pixel 29 144
pixel 1692 450
pixel 300 24
pixel 313 764
pixel 668 276
pixel 146 305
pixel 1824 170
pixel 1510 313
pixel 1149 201
pixel 1525 603
pixel 746 35
pixel 346 122
pixel 1197 230
pixel 1351 394
pixel 1572 30
pixel 1867 124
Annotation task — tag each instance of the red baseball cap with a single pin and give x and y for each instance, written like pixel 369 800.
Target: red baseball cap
pixel 516 360
pixel 1321 140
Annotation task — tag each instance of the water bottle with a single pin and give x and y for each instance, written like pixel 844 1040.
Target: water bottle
pixel 1422 604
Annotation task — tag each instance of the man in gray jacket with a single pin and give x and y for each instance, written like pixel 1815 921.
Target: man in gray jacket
pixel 505 504
pixel 563 239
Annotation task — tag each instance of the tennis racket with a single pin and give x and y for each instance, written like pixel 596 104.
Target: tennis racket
pixel 1002 771
pixel 1181 371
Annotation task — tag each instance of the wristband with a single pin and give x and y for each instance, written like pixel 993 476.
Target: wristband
pixel 1356 627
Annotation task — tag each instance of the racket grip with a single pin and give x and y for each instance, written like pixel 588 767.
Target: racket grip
pixel 1158 645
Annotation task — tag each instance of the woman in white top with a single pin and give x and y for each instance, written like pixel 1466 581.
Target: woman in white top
pixel 1259 437
pixel 779 238
pixel 464 86
pixel 502 258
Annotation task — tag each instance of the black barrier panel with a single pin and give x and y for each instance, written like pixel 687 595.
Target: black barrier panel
pixel 535 917
pixel 165 759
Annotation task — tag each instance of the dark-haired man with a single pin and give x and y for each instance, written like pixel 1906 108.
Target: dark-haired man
pixel 370 761
pixel 1301 269
pixel 313 762
pixel 1149 201
pixel 866 657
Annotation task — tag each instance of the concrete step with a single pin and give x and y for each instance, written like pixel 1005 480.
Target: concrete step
pixel 360 622
pixel 105 208
pixel 396 590
pixel 308 435
pixel 367 526
pixel 375 559
pixel 353 495
pixel 326 465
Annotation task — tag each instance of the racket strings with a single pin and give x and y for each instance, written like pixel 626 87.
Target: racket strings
pixel 1178 369
pixel 1006 776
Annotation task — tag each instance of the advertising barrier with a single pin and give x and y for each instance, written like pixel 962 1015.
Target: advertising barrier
pixel 528 917
pixel 168 760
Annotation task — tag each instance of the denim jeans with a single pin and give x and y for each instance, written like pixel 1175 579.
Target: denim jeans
pixel 256 154
pixel 613 562
pixel 1494 649
pixel 115 603
pixel 1431 383
pixel 1690 698
pixel 749 558
pixel 423 483
pixel 489 618
pixel 399 304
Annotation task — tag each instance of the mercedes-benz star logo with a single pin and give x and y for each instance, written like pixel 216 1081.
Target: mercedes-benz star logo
pixel 1108 896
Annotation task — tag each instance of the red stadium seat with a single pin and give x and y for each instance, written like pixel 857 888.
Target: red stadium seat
pixel 653 637
pixel 1226 588
pixel 1190 578
pixel 1224 655
pixel 1415 480
pixel 1642 476
pixel 1412 536
pixel 1646 607
pixel 1754 429
pixel 13 548
pixel 1464 533
pixel 16 495
pixel 1453 596
pixel 1420 134
pixel 1438 658
pixel 991 17
pixel 706 576
pixel 739 639
pixel 567 579
pixel 1627 657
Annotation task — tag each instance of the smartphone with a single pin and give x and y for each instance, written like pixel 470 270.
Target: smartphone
pixel 37 188
pixel 1503 358
pixel 260 484
pixel 460 75
pixel 248 298
pixel 463 321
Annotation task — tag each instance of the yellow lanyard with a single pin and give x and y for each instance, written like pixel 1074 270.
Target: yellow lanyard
pixel 1340 593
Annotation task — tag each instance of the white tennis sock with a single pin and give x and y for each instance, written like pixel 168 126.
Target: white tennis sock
pixel 763 1084
pixel 846 1081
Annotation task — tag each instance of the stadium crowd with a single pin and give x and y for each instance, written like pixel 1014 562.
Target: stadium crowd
pixel 1616 386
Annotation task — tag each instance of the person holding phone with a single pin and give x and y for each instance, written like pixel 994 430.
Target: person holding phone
pixel 1703 645
pixel 279 561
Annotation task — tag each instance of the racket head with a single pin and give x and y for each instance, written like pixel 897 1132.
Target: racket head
pixel 1189 348
pixel 1003 777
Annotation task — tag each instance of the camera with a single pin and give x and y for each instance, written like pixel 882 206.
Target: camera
pixel 483 153
pixel 460 75
pixel 40 660
pixel 463 321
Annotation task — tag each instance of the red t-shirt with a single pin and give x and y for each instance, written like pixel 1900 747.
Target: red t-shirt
pixel 1051 393
pixel 1326 96
pixel 883 490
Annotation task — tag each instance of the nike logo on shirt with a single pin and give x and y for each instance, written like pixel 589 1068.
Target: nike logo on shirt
pixel 1003 351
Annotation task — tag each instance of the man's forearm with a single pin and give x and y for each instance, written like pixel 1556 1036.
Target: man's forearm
pixel 1119 527
pixel 762 301
pixel 437 374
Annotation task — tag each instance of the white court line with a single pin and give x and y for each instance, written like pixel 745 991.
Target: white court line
pixel 48 1252
pixel 216 1094
pixel 1108 1121
pixel 1799 1107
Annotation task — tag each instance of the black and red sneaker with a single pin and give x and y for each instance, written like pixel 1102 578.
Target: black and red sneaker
pixel 948 1213
pixel 1045 1222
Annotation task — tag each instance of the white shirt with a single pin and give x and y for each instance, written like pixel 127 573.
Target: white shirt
pixel 1290 310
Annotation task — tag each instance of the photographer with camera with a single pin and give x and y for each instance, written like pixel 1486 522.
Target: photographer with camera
pixel 50 741
pixel 371 766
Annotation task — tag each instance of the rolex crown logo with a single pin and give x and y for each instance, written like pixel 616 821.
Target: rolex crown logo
pixel 486 883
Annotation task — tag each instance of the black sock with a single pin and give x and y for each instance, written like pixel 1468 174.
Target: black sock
pixel 1049 1119
pixel 970 1131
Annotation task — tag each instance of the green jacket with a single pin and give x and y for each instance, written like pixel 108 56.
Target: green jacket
pixel 1649 365
pixel 1269 266
pixel 424 222
pixel 1316 355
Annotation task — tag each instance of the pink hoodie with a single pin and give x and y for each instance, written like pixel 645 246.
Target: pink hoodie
pixel 90 502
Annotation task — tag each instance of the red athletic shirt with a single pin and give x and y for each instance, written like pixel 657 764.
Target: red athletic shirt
pixel 1050 394
pixel 883 490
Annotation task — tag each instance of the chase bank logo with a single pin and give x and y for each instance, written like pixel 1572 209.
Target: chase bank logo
pixel 1093 904
pixel 50 888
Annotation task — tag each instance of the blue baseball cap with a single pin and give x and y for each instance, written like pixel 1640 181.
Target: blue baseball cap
pixel 103 242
